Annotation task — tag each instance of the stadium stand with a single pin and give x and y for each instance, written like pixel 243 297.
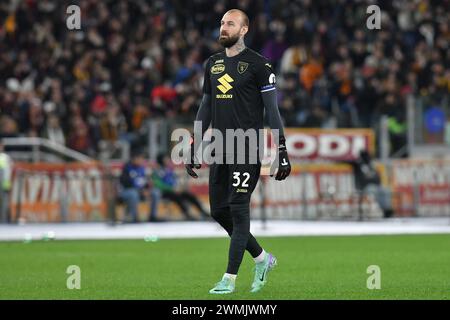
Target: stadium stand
pixel 139 60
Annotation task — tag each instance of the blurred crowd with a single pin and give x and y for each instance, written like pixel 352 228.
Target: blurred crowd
pixel 138 60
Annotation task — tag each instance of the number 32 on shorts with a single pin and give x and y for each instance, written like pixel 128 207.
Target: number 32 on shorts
pixel 237 179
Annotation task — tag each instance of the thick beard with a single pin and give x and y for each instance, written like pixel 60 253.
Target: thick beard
pixel 229 41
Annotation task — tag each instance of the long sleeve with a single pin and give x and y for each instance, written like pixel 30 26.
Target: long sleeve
pixel 265 78
pixel 203 116
pixel 273 114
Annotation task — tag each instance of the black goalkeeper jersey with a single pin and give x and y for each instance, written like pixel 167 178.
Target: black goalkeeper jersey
pixel 235 85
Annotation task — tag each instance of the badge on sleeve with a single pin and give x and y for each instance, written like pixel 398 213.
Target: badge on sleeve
pixel 272 78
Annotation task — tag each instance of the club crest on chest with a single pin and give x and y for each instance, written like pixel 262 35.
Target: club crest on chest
pixel 242 67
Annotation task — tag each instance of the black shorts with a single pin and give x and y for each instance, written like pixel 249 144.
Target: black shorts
pixel 232 184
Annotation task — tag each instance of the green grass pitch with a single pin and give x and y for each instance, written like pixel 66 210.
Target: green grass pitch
pixel 412 267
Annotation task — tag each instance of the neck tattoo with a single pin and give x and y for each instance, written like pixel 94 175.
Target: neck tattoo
pixel 240 45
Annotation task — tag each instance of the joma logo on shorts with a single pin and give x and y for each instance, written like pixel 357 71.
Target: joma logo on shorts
pixel 242 190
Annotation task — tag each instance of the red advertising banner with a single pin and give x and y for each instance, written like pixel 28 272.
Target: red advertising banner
pixel 43 192
pixel 80 192
pixel 328 144
pixel 421 187
pixel 313 191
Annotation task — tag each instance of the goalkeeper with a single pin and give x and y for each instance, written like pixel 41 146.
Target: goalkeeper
pixel 239 86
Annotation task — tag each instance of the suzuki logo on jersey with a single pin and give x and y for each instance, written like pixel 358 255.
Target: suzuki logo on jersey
pixel 225 86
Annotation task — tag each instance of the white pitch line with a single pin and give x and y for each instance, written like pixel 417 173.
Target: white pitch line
pixel 79 231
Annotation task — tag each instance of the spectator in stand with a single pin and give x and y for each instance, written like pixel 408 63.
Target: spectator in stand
pixel 112 124
pixel 79 138
pixel 53 130
pixel 8 127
